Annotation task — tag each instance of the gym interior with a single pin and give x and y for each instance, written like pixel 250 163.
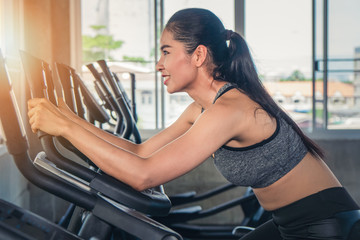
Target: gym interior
pixel 54 31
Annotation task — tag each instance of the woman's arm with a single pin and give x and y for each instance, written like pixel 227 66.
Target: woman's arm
pixel 181 125
pixel 121 142
pixel 210 131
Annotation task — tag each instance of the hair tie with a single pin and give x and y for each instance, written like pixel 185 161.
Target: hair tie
pixel 228 34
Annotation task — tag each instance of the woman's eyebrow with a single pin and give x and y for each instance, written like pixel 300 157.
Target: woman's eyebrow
pixel 164 46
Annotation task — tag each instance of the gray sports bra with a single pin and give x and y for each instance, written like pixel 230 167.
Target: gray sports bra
pixel 263 163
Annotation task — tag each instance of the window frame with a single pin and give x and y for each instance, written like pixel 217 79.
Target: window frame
pixel 324 131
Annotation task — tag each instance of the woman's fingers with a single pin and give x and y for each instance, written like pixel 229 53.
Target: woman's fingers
pixel 43 115
pixel 32 121
pixel 43 103
pixel 34 118
pixel 35 101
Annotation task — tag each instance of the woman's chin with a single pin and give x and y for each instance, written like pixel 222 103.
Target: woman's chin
pixel 170 91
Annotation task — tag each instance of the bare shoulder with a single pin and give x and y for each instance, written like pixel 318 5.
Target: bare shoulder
pixel 226 115
pixel 235 106
pixel 191 113
pixel 247 120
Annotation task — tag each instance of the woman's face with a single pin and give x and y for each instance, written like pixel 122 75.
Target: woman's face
pixel 175 64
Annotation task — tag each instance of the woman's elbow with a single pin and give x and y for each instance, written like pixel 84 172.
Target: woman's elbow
pixel 142 183
pixel 145 176
pixel 140 188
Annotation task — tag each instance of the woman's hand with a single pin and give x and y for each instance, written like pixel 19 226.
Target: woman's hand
pixel 45 116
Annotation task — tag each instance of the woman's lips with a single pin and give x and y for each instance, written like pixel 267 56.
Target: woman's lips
pixel 166 78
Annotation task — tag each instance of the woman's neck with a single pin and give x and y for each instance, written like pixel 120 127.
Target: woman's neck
pixel 205 91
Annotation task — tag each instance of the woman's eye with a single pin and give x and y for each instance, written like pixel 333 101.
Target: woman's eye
pixel 165 53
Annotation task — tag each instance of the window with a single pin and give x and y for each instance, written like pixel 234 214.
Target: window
pixel 278 33
pixel 128 28
pixel 130 25
pixel 337 64
pixel 146 97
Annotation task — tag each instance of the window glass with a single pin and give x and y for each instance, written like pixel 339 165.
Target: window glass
pixel 343 65
pixel 129 26
pixel 279 36
pixel 122 32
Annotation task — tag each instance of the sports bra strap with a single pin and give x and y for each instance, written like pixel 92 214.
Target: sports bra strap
pixel 228 86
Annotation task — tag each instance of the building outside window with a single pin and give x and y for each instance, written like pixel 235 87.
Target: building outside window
pixel 337 64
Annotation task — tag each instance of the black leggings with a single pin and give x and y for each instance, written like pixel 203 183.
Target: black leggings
pixel 307 218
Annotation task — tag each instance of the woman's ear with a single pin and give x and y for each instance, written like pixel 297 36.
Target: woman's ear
pixel 199 55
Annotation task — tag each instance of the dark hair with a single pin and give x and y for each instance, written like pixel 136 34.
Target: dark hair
pixel 230 62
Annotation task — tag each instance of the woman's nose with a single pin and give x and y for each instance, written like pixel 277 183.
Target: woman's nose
pixel 159 65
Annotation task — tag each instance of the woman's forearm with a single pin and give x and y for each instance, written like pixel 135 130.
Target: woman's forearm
pixel 123 143
pixel 118 141
pixel 112 159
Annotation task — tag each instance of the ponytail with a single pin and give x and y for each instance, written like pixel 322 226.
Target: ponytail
pixel 243 73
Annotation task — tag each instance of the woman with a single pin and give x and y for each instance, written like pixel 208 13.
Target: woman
pixel 255 143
